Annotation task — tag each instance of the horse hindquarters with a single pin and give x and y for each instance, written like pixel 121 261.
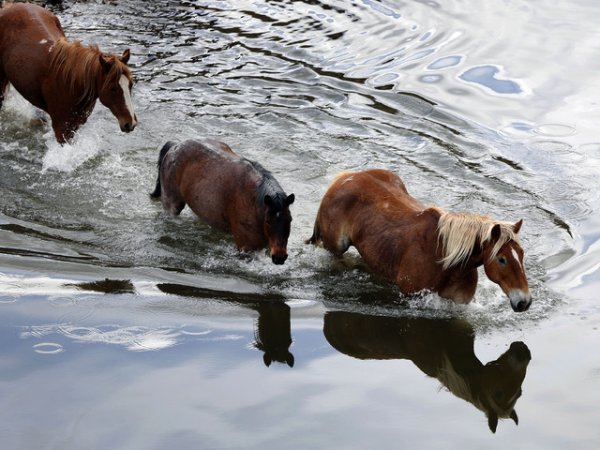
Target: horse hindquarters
pixel 331 229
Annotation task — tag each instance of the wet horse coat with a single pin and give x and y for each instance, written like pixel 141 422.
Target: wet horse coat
pixel 419 248
pixel 62 78
pixel 228 192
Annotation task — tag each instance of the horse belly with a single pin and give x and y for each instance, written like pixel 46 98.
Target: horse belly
pixel 208 201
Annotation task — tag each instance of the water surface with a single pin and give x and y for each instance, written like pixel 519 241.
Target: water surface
pixel 125 328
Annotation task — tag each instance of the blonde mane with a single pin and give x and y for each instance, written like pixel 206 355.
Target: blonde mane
pixel 79 65
pixel 460 231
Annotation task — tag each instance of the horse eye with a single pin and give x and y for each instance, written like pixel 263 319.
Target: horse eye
pixel 502 260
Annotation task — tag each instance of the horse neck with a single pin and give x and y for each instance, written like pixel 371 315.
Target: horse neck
pixel 460 372
pixel 266 184
pixel 77 69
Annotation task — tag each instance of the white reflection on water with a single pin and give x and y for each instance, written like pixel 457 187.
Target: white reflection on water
pixel 132 338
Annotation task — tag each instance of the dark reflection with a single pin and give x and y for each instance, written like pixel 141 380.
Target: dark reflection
pixel 106 286
pixel 443 349
pixel 273 335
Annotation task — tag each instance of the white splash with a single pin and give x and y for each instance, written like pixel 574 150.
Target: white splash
pixel 67 157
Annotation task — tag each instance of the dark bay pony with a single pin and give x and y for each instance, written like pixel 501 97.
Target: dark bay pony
pixel 442 349
pixel 416 247
pixel 228 192
pixel 62 78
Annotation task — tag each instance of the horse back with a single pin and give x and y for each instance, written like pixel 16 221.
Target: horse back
pixel 392 231
pixel 215 182
pixel 357 198
pixel 27 23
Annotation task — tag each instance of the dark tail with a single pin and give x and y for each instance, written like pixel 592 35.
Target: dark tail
pixel 161 156
pixel 316 236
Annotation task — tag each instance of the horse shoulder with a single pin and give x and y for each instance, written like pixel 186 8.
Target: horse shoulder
pixel 245 211
pixel 417 268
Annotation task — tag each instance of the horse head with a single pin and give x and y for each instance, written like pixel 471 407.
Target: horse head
pixel 501 382
pixel 503 264
pixel 277 222
pixel 115 89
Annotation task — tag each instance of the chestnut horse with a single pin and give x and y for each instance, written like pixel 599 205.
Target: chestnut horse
pixel 62 78
pixel 400 239
pixel 442 349
pixel 228 192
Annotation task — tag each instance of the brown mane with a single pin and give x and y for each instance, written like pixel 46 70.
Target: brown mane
pixel 460 231
pixel 79 65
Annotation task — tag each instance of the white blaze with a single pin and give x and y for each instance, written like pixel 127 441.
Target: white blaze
pixel 516 256
pixel 124 83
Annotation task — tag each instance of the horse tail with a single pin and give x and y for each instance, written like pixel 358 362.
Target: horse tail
pixel 316 236
pixel 163 152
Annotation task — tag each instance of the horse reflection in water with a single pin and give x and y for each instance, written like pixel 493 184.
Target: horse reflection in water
pixel 272 333
pixel 443 349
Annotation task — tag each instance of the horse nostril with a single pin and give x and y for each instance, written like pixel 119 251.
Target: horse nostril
pixel 127 127
pixel 523 305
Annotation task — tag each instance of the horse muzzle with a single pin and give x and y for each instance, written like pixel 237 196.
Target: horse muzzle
pixel 520 301
pixel 278 258
pixel 128 126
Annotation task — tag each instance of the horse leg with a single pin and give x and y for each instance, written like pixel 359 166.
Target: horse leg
pixel 173 207
pixel 172 203
pixel 3 87
pixel 62 130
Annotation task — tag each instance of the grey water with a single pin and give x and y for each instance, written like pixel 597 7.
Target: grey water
pixel 122 327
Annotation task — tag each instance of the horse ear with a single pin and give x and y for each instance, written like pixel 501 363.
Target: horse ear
pixel 268 200
pixel 514 417
pixel 125 56
pixel 517 226
pixel 493 422
pixel 105 62
pixel 290 199
pixel 496 232
pixel 267 360
pixel 289 359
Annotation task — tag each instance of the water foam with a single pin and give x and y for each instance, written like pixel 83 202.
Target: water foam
pixel 69 156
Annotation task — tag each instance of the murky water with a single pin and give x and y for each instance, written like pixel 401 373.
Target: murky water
pixel 124 328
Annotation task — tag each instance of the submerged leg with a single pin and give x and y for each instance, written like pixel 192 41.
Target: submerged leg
pixel 172 206
pixel 63 132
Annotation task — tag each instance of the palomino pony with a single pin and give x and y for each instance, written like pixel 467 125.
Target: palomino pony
pixel 228 192
pixel 442 349
pixel 419 248
pixel 62 78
